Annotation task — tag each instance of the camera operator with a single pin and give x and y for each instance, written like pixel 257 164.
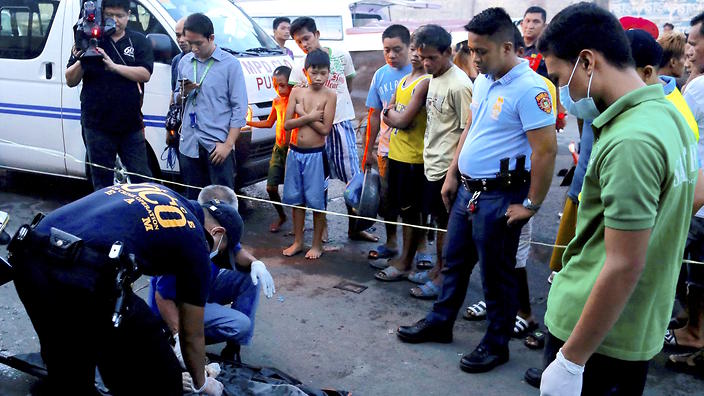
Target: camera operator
pixel 111 97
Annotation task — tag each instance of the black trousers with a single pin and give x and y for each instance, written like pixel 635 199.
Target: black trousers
pixel 603 375
pixel 72 318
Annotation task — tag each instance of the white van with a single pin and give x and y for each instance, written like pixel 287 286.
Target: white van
pixel 39 111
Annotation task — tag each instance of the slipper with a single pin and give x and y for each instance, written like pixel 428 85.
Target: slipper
pixel 379 264
pixel 523 327
pixel 424 261
pixel 535 340
pixel 382 252
pixel 419 278
pixel 690 363
pixel 391 274
pixel 475 312
pixel 428 291
pixel 671 341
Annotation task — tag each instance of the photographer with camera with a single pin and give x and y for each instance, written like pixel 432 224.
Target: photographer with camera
pixel 113 88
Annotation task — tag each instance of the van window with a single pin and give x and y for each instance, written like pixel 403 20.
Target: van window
pixel 330 27
pixel 234 30
pixel 24 27
pixel 142 21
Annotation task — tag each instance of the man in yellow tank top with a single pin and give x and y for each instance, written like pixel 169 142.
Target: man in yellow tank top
pixel 406 114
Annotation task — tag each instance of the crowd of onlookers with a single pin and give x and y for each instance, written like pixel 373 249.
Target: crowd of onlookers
pixel 463 136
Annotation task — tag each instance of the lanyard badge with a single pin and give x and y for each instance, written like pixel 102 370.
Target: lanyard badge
pixel 194 95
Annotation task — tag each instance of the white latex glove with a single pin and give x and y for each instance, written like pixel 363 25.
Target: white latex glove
pixel 259 273
pixel 562 378
pixel 212 387
pixel 212 370
pixel 177 352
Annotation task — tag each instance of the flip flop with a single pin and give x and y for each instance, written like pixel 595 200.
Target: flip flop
pixel 379 264
pixel 671 341
pixel 475 312
pixel 535 340
pixel 382 252
pixel 424 261
pixel 419 278
pixel 523 327
pixel 428 291
pixel 391 274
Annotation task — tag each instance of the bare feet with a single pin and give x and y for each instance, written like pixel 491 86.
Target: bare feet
pixel 276 225
pixel 363 236
pixel 314 253
pixel 685 338
pixel 293 250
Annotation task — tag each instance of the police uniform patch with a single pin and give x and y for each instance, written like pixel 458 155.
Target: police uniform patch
pixel 544 102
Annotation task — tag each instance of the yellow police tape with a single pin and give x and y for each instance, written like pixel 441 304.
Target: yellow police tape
pixel 72 158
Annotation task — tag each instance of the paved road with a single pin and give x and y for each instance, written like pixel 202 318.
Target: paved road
pixel 325 336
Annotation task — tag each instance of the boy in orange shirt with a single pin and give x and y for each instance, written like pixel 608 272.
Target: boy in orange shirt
pixel 277 165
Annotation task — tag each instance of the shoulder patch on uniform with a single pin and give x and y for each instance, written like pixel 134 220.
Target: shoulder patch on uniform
pixel 544 102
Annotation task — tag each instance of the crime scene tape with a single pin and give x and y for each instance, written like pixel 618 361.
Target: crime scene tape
pixel 262 200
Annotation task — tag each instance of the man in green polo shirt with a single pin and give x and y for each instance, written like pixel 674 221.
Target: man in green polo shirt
pixel 610 305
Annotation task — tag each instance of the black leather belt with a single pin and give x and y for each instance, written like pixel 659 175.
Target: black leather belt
pixel 510 181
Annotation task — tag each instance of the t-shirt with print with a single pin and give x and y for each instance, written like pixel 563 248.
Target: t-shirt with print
pixel 110 102
pixel 641 175
pixel 406 145
pixel 447 104
pixel 341 68
pixel 694 96
pixel 503 111
pixel 160 227
pixel 381 90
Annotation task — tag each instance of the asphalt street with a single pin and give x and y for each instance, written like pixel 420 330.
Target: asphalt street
pixel 320 334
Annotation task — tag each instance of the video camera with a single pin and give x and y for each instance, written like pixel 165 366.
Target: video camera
pixel 91 28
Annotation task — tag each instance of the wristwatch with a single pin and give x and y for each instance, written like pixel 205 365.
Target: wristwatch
pixel 528 204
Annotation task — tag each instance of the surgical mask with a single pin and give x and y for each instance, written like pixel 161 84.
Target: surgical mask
pixel 217 249
pixel 584 108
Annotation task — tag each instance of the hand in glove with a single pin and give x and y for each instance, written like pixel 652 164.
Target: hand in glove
pixel 212 387
pixel 259 273
pixel 562 378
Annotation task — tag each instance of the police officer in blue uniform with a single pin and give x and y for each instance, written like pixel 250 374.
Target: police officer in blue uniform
pixel 505 162
pixel 73 271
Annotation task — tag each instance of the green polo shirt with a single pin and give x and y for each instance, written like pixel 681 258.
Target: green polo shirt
pixel 641 175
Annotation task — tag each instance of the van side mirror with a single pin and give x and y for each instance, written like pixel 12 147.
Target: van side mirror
pixel 162 46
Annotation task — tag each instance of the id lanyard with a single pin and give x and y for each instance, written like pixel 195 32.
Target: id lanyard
pixel 195 77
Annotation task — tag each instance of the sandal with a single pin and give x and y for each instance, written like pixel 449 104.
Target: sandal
pixel 381 252
pixel 535 340
pixel 671 341
pixel 475 312
pixel 424 261
pixel 391 274
pixel 427 291
pixel 690 363
pixel 419 278
pixel 380 264
pixel 523 327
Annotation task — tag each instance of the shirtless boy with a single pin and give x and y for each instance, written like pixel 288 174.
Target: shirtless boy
pixel 309 116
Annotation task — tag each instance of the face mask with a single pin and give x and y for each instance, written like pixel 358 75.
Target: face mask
pixel 217 249
pixel 584 108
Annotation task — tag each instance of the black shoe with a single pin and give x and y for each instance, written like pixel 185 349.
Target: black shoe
pixel 423 331
pixel 533 376
pixel 481 360
pixel 231 352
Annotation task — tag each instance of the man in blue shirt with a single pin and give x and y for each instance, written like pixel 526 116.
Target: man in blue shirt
pixel 395 39
pixel 215 111
pixel 512 117
pixel 185 48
